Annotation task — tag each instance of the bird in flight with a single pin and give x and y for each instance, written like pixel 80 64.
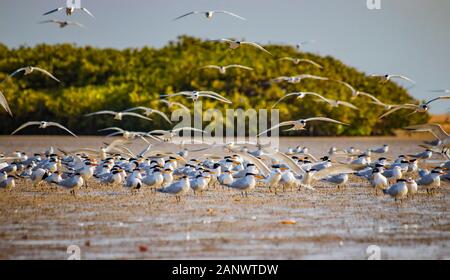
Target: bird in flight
pixel 301 60
pixel 297 79
pixel 300 124
pixel 223 69
pixel 42 124
pixel 232 44
pixel 386 78
pixel 421 108
pixel 195 95
pixel 63 24
pixel 149 111
pixel 118 115
pixel 210 14
pixel 30 69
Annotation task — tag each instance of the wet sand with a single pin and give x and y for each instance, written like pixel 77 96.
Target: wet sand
pixel 330 223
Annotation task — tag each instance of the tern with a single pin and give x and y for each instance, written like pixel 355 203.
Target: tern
pixel 30 69
pixel 301 60
pixel 195 95
pixel 300 45
pixel 178 188
pixel 149 111
pixel 431 180
pixel 167 135
pixel 63 24
pixel 223 69
pixel 72 183
pixel 398 190
pixel 386 78
pixel 232 44
pixel 245 184
pixel 412 186
pixel 355 92
pixel 297 79
pixel 42 124
pixel 378 180
pixel 300 124
pixel 421 108
pixel 209 14
pixel 69 11
pixel 118 115
pixel 436 130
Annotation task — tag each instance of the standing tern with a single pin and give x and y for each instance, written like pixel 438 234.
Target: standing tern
pixel 209 14
pixel 30 69
pixel 42 124
pixel 178 188
pixel 170 104
pixel 398 190
pixel 300 124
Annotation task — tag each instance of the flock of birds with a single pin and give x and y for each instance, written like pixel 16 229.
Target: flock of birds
pixel 235 166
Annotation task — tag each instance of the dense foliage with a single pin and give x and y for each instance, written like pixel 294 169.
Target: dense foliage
pixel 107 79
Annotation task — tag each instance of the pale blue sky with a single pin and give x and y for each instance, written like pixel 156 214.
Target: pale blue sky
pixel 410 37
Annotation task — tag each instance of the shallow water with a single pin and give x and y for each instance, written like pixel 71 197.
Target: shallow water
pixel 331 223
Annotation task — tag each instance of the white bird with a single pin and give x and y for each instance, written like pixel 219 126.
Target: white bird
pixel 195 95
pixel 412 186
pixel 436 130
pixel 297 79
pixel 245 184
pixel 387 77
pixel 209 14
pixel 300 124
pixel 178 188
pixel 355 92
pixel 223 69
pixel 167 135
pixel 42 124
pixel 63 24
pixel 398 190
pixel 69 10
pixel 4 103
pixel 72 183
pixel 301 60
pixel 300 45
pixel 378 180
pixel 30 69
pixel 232 44
pixel 118 115
pixel 149 111
pixel 421 108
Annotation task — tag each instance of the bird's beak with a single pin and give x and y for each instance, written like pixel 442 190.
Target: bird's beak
pixel 259 176
pixel 284 168
pixel 212 172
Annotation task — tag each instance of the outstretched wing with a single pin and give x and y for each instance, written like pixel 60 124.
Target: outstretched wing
pixel 284 97
pixel 278 126
pixel 4 103
pixel 61 126
pixel 46 73
pixel 256 46
pixel 185 15
pixel 52 11
pixel 231 14
pixel 25 125
pixel 324 119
